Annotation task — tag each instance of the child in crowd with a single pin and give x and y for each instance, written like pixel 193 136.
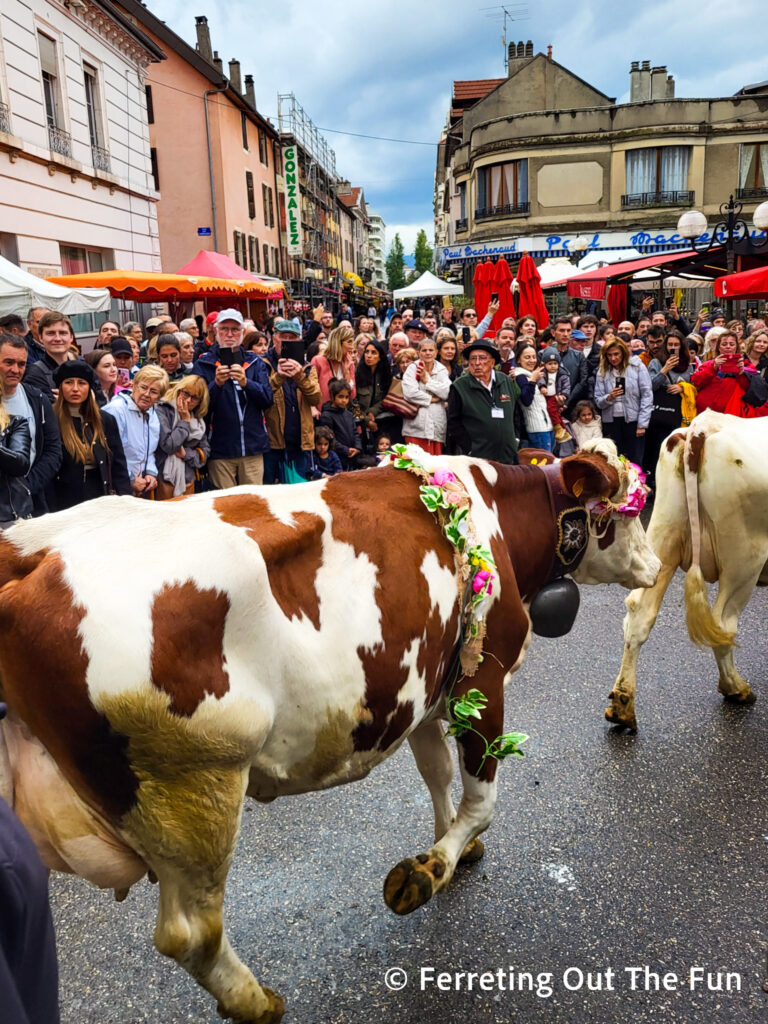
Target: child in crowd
pixel 555 382
pixel 325 461
pixel 585 425
pixel 383 444
pixel 337 416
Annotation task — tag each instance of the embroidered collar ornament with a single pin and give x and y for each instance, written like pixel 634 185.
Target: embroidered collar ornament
pixel 633 502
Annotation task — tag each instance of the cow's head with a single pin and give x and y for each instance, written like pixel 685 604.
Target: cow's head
pixel 611 490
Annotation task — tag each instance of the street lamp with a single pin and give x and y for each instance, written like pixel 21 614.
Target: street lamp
pixel 580 243
pixel 693 224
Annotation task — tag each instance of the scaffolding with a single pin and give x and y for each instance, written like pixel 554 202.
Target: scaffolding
pixel 317 163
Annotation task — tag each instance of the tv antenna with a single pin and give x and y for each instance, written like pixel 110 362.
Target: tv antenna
pixel 506 13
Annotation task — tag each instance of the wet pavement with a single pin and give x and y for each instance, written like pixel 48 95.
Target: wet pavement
pixel 614 860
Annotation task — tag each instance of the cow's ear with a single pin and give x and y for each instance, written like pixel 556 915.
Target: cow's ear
pixel 589 476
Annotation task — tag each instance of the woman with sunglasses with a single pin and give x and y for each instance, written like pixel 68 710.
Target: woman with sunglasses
pixel 183 448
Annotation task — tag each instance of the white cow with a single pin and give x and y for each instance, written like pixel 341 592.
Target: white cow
pixel 710 519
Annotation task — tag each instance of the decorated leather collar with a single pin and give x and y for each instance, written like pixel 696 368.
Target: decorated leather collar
pixel 572 531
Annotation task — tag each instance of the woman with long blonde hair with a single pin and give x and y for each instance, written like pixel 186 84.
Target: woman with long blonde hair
pixel 338 360
pixel 183 448
pixel 93 462
pixel 624 396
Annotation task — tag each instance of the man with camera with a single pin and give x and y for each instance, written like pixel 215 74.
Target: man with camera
pixel 296 389
pixel 238 384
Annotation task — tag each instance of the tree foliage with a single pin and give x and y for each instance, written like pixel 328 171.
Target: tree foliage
pixel 423 254
pixel 394 264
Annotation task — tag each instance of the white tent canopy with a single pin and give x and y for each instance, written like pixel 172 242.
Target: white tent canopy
pixel 19 290
pixel 427 284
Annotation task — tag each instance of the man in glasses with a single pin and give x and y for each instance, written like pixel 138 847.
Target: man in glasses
pixel 469 318
pixel 238 384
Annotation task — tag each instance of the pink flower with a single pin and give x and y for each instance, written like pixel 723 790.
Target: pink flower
pixel 482 580
pixel 441 477
pixel 453 497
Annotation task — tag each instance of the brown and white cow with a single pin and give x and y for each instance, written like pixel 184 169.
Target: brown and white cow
pixel 710 519
pixel 293 651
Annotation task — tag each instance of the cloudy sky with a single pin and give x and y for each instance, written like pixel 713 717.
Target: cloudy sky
pixel 386 68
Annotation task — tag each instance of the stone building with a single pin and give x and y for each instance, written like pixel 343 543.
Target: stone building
pixel 543 161
pixel 76 187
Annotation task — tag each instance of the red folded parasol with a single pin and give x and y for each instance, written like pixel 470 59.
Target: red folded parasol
pixel 530 300
pixel 502 284
pixel 617 303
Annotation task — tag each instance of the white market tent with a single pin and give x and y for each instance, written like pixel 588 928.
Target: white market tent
pixel 427 284
pixel 19 290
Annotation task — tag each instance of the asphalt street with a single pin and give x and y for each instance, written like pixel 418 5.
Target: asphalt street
pixel 610 854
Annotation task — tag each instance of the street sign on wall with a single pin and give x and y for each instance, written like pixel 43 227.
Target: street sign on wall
pixel 292 200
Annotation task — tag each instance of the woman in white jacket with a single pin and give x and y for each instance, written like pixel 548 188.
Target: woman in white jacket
pixel 426 383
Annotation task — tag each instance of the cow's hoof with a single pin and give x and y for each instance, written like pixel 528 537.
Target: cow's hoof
pixel 272 1015
pixel 742 699
pixel 622 720
pixel 409 885
pixel 472 852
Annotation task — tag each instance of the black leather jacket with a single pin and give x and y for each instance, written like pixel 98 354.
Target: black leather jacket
pixel 15 446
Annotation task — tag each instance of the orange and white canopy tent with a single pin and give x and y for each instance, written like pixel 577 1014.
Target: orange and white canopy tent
pixel 144 286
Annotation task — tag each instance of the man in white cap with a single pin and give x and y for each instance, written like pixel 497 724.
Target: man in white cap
pixel 238 383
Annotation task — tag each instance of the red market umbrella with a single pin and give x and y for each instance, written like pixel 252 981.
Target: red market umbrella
pixel 216 264
pixel 479 289
pixel 617 303
pixel 530 300
pixel 502 285
pixel 749 284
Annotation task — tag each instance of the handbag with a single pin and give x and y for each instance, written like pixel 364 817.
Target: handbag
pixel 666 412
pixel 393 401
pixel 757 391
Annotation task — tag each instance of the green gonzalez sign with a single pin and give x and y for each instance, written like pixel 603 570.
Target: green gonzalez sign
pixel 292 200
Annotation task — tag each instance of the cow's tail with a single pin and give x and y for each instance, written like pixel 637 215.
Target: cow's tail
pixel 703 628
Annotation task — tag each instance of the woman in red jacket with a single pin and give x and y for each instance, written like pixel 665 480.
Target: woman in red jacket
pixel 723 380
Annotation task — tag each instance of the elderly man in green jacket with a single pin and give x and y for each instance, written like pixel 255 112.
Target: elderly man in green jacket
pixel 481 406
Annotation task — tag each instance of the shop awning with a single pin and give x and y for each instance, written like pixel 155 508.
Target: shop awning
pixel 218 265
pixel 749 284
pixel 592 284
pixel 354 279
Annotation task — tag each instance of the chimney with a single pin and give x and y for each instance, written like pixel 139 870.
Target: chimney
pixel 234 76
pixel 549 52
pixel 250 95
pixel 670 87
pixel 217 63
pixel 203 38
pixel 658 83
pixel 634 82
pixel 529 49
pixel 520 50
pixel 644 88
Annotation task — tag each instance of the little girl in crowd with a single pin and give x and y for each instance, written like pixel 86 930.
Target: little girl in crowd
pixel 383 444
pixel 325 461
pixel 585 424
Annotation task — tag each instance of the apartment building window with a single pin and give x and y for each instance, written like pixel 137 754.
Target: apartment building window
pixel 155 171
pixel 253 254
pixel 269 210
pixel 275 261
pixel 58 140
pixel 240 256
pixel 244 128
pixel 150 105
pixel 278 158
pixel 77 259
pixel 753 171
pixel 657 176
pixel 502 190
pixel 99 153
pixel 263 151
pixel 266 258
pixel 251 194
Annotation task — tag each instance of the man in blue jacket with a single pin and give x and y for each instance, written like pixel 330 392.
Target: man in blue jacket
pixel 238 383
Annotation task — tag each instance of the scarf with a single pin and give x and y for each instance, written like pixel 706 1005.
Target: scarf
pixel 174 468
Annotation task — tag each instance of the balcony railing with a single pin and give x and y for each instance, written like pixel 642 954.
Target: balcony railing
pixel 59 141
pixel 5 118
pixel 100 158
pixel 648 199
pixel 461 224
pixel 509 210
pixel 751 193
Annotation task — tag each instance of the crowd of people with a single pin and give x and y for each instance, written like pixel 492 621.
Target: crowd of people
pixel 163 410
